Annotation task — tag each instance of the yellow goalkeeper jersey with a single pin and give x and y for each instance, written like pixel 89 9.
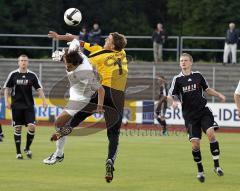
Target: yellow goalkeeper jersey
pixel 111 65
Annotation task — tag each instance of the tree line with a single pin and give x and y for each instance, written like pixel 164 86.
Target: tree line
pixel 130 17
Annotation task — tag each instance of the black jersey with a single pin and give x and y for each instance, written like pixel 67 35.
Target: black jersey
pixel 21 85
pixel 189 90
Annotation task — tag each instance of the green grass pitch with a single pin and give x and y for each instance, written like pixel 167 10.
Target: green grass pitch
pixel 144 163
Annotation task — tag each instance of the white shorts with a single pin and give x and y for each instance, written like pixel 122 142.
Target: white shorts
pixel 73 106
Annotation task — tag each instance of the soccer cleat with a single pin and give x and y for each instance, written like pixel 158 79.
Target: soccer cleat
pixel 52 159
pixel 28 153
pixel 201 177
pixel 109 171
pixel 19 157
pixel 218 171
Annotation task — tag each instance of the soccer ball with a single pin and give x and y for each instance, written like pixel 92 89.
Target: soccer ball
pixel 72 16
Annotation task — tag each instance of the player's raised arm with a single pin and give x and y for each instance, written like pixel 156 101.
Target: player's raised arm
pixel 67 37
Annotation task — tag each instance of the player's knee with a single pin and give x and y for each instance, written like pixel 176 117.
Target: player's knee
pixel 211 135
pixel 195 147
pixel 31 127
pixel 195 144
pixel 18 129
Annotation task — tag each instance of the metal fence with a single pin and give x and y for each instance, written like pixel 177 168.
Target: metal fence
pixel 178 45
pixel 142 80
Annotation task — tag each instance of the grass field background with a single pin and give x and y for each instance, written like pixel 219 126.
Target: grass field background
pixel 144 163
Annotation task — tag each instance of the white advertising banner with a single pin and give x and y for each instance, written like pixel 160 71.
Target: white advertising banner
pixel 225 114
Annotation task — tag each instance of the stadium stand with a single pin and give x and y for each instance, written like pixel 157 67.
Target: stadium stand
pixel 140 81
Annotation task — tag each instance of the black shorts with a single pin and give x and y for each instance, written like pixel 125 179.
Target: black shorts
pixel 23 116
pixel 204 122
pixel 113 106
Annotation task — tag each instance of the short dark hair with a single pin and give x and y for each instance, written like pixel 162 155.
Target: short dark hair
pixel 187 55
pixel 23 55
pixel 73 57
pixel 119 41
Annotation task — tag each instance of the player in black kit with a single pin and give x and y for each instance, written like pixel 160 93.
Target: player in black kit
pixel 161 108
pixel 20 82
pixel 188 87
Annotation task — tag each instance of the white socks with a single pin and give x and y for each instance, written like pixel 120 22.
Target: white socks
pixel 60 146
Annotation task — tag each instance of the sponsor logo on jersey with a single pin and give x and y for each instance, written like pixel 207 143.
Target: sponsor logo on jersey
pixel 22 82
pixel 189 88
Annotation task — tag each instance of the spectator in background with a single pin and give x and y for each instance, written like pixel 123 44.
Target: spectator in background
pixel 231 41
pixel 95 34
pixel 83 36
pixel 158 37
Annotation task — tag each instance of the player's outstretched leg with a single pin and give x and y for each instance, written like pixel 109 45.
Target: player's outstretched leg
pixel 17 139
pixel 112 153
pixel 214 147
pixel 109 171
pixel 30 137
pixel 198 159
pixel 113 138
pixel 215 151
pixel 58 156
pixel 53 159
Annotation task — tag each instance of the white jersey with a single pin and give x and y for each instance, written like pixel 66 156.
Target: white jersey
pixel 83 81
pixel 83 84
pixel 237 91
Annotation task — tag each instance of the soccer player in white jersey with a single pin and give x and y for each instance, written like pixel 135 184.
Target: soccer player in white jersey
pixel 237 98
pixel 84 85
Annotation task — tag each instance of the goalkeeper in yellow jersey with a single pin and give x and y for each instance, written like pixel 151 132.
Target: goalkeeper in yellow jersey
pixel 111 64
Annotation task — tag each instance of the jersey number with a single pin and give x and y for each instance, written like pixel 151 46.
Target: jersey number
pixel 119 63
